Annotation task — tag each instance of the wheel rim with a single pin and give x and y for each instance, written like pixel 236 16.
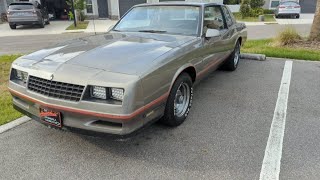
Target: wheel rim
pixel 236 56
pixel 182 99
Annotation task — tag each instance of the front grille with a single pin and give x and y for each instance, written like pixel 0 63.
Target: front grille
pixel 55 89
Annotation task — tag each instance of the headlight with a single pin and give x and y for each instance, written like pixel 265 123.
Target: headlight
pixel 117 94
pixel 105 93
pixel 19 76
pixel 98 92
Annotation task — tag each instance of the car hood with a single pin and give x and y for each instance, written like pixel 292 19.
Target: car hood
pixel 128 53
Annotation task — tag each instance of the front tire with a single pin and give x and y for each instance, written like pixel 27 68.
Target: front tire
pixel 13 26
pixel 232 62
pixel 179 101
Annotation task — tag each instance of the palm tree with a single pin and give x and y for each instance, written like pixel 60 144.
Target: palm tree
pixel 315 30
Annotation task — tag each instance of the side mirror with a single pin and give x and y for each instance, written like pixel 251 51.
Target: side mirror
pixel 212 33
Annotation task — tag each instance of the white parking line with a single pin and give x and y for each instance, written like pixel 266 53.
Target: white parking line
pixel 270 169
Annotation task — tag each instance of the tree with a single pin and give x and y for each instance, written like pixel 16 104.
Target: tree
pixel 245 8
pixel 256 3
pixel 79 6
pixel 315 29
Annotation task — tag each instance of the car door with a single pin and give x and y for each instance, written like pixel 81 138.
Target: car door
pixel 215 49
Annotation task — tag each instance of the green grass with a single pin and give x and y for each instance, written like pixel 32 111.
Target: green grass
pixel 267 18
pixel 7 113
pixel 80 25
pixel 265 47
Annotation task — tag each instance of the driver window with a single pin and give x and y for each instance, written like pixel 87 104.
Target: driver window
pixel 213 18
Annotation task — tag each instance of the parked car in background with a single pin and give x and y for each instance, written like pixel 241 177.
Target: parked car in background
pixel 141 71
pixel 288 9
pixel 25 13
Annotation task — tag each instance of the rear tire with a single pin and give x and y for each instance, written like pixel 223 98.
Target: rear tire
pixel 42 23
pixel 179 101
pixel 13 26
pixel 232 62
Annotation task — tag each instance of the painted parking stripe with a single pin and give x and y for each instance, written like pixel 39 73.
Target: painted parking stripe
pixel 270 169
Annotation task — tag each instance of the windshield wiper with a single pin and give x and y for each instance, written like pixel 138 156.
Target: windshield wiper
pixel 153 31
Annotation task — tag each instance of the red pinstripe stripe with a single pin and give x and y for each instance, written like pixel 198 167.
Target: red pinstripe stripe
pixel 84 112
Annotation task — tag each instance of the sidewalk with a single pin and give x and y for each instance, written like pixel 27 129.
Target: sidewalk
pixel 55 27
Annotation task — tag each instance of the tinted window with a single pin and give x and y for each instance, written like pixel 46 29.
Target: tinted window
pixel 274 4
pixel 228 16
pixel 289 4
pixel 213 18
pixel 20 7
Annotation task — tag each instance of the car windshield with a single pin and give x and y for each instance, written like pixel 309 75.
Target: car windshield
pixel 182 20
pixel 21 7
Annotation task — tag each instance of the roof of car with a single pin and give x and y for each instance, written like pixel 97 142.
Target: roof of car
pixel 179 3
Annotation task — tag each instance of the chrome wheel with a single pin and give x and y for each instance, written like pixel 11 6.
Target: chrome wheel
pixel 236 56
pixel 182 99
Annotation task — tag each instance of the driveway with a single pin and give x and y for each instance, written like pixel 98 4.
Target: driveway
pixel 304 19
pixel 55 27
pixel 224 137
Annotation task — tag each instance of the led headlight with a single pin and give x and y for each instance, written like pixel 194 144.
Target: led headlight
pixel 98 92
pixel 117 94
pixel 19 75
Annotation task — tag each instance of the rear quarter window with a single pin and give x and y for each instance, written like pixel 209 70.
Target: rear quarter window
pixel 229 17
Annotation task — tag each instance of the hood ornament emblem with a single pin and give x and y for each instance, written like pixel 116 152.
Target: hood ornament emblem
pixel 51 77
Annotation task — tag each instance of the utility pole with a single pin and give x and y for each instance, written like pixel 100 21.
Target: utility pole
pixel 74 14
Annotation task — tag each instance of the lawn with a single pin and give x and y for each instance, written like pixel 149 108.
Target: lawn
pixel 7 113
pixel 265 47
pixel 267 18
pixel 80 25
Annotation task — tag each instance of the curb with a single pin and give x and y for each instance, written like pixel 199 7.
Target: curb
pixel 257 57
pixel 14 124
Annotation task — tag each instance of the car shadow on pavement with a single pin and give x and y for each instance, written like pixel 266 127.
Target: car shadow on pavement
pixel 183 147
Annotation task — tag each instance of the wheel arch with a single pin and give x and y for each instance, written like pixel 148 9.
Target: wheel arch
pixel 189 69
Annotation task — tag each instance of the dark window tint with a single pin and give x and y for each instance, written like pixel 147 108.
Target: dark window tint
pixel 228 16
pixel 274 4
pixel 20 7
pixel 289 4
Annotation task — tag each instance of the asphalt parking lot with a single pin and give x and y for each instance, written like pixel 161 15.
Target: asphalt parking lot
pixel 224 137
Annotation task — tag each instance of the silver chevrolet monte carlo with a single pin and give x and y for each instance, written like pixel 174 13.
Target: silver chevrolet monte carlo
pixel 141 71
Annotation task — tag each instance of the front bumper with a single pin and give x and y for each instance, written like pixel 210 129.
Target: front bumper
pixel 88 120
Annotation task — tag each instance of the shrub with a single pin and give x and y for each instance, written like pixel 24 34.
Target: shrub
pixel 245 8
pixel 287 37
pixel 268 11
pixel 256 12
pixel 82 16
pixel 256 3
